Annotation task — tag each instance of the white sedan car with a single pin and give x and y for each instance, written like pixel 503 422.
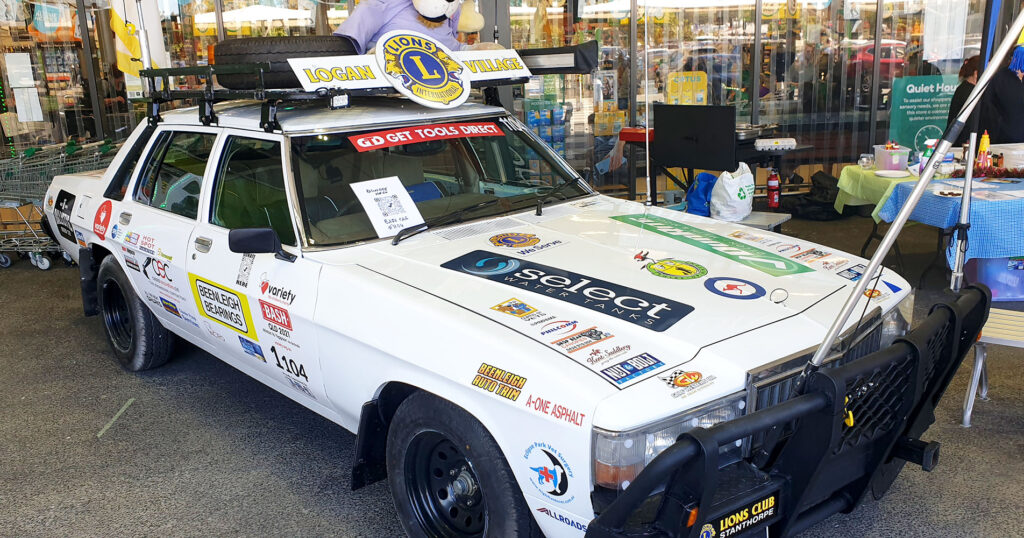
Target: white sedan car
pixel 512 349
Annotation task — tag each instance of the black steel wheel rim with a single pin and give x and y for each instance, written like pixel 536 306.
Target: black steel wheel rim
pixel 117 316
pixel 442 487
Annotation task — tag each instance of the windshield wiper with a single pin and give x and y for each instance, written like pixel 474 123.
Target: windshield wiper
pixel 443 219
pixel 543 198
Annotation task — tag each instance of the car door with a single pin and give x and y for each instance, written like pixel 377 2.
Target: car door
pixel 258 306
pixel 153 225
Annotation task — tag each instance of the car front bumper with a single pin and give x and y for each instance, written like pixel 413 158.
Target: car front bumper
pixel 849 432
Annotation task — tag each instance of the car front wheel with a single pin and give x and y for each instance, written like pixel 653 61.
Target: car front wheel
pixel 448 477
pixel 137 338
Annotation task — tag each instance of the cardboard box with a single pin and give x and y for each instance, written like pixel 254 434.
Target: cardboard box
pixel 13 219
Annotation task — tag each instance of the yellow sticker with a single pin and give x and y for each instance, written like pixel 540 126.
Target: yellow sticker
pixel 220 304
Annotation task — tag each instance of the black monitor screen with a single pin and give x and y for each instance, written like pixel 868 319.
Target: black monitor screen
pixel 691 136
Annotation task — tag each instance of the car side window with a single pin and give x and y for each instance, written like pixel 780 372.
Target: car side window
pixel 173 175
pixel 249 189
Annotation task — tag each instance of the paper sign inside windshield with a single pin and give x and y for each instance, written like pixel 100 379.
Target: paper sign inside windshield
pixel 423 133
pixel 387 204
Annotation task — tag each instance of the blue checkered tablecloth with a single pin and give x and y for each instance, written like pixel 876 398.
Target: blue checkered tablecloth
pixel 997 226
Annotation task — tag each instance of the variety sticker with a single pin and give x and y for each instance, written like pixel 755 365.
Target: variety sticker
pixel 276 293
pixel 550 472
pixel 501 382
pixel 627 304
pixel 102 220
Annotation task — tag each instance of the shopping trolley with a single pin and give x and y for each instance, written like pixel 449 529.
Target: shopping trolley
pixel 23 184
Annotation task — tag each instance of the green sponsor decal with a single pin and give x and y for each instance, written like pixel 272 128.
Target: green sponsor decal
pixel 766 262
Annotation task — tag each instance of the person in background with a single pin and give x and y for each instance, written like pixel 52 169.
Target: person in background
pixel 1002 107
pixel 968 78
pixel 371 19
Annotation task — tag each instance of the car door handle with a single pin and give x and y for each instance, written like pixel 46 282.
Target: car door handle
pixel 203 244
pixel 125 218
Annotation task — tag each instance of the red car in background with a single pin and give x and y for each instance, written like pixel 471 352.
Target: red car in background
pixel 860 64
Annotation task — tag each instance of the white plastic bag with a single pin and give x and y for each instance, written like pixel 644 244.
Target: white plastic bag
pixel 733 196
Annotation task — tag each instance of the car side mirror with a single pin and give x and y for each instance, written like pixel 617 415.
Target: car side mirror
pixel 257 241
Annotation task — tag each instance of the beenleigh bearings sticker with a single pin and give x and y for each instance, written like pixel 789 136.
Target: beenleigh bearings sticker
pixel 220 304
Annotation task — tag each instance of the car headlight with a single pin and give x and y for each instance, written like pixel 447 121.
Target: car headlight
pixel 897 321
pixel 620 456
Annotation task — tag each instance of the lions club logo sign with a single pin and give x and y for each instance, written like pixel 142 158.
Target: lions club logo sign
pixel 514 240
pixel 422 69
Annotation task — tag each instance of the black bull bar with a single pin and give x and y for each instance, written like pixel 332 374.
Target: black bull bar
pixel 851 431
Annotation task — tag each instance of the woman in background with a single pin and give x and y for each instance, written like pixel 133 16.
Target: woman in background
pixel 968 78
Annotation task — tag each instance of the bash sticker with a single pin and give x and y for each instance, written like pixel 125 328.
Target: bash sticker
pixel 514 307
pixel 514 240
pixel 501 382
pixel 276 315
pixel 422 69
pixel 550 473
pixel 220 304
pixel 734 288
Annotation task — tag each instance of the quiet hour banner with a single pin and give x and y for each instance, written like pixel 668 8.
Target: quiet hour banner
pixel 920 107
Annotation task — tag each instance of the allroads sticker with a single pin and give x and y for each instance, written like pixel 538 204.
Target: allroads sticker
pixel 764 261
pixel 627 304
pixel 222 305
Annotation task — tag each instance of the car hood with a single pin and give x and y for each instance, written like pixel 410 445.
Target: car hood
pixel 627 292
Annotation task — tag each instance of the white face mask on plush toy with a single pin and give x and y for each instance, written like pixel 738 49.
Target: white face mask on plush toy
pixel 436 10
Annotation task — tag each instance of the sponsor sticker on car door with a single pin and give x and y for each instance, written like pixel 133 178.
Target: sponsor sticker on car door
pixel 223 305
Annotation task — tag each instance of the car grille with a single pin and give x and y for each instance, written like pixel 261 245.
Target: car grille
pixel 773 384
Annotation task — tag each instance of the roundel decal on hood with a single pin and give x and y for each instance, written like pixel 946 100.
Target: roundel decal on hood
pixel 734 288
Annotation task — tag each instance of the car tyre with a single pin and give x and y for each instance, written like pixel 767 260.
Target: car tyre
pixel 275 50
pixel 448 477
pixel 137 338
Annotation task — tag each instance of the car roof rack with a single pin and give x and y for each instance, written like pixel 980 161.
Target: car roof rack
pixel 576 59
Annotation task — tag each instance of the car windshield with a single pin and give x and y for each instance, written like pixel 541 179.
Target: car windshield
pixel 491 166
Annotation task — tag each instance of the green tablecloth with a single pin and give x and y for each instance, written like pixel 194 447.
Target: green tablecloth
pixel 862 187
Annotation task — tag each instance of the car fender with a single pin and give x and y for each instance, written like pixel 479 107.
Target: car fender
pixel 437 346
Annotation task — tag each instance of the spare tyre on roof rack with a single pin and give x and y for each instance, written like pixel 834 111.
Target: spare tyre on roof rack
pixel 276 51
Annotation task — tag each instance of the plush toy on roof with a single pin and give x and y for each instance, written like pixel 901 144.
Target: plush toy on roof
pixel 438 19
